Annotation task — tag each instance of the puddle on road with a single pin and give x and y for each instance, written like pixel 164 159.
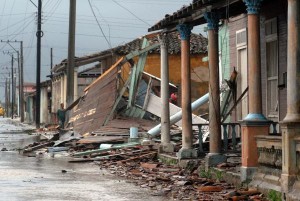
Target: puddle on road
pixel 16 140
pixel 24 178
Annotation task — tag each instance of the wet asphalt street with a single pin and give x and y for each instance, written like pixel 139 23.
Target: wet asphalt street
pixel 41 178
pixel 29 178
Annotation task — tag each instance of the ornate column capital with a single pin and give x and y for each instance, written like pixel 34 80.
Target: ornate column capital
pixel 163 39
pixel 212 19
pixel 184 31
pixel 253 6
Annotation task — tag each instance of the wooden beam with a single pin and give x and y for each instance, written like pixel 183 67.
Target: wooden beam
pixel 137 71
pixel 119 62
pixel 147 94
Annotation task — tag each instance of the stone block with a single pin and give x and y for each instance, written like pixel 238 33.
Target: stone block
pixel 147 142
pixel 212 160
pixel 166 148
pixel 167 159
pixel 187 154
pixel 189 164
pixel 247 173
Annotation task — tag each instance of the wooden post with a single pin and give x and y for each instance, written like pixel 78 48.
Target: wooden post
pixel 214 157
pixel 187 135
pixel 165 94
pixel 291 124
pixel 255 122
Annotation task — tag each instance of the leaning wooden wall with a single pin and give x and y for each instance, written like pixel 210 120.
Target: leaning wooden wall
pixel 97 103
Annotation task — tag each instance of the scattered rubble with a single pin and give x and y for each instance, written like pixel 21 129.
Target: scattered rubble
pixel 140 165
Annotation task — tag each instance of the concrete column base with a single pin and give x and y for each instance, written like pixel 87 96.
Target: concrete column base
pixel 251 129
pixel 134 139
pixel 187 153
pixel 287 182
pixel 166 148
pixel 247 173
pixel 290 168
pixel 212 160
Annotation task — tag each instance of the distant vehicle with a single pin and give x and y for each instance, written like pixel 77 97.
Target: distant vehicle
pixel 2 111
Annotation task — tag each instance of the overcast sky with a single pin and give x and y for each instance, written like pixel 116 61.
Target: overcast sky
pixel 120 20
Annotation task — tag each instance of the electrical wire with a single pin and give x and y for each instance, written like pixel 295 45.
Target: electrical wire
pixel 131 12
pixel 99 25
pixel 54 8
pixel 109 33
pixel 2 12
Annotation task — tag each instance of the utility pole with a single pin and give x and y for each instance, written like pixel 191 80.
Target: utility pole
pixel 6 97
pixel 51 77
pixel 21 76
pixel 71 53
pixel 39 35
pixel 21 85
pixel 19 82
pixel 51 60
pixel 12 86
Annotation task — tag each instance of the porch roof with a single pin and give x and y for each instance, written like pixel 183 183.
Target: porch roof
pixel 194 13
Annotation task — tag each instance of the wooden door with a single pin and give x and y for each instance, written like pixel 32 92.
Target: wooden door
pixel 242 82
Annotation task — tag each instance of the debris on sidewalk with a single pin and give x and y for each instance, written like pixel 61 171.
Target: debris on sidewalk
pixel 139 165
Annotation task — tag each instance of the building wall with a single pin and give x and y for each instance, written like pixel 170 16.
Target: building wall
pixel 269 11
pixel 56 93
pixel 29 109
pixel 44 112
pixel 224 50
pixel 83 83
pixel 235 24
pixel 277 9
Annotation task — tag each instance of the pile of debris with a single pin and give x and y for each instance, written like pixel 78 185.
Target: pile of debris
pixel 140 165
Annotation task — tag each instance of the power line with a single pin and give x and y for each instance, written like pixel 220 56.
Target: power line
pixel 54 8
pixel 33 3
pixel 99 25
pixel 131 12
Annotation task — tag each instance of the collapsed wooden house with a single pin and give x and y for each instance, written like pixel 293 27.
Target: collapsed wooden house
pixel 132 84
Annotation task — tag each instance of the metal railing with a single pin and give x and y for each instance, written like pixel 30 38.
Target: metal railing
pixel 274 128
pixel 230 132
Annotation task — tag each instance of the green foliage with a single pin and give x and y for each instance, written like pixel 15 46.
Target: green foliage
pixel 205 174
pixel 211 173
pixel 218 175
pixel 274 195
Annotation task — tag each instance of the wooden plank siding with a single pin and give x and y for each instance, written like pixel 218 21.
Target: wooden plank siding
pixel 97 103
pixel 235 24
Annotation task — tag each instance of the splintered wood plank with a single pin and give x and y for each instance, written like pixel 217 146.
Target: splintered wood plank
pixel 100 139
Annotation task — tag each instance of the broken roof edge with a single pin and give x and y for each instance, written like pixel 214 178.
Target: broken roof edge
pixel 192 14
pixel 120 61
pixel 199 41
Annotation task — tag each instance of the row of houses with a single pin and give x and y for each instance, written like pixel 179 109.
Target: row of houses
pixel 90 67
pixel 257 38
pixel 261 39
